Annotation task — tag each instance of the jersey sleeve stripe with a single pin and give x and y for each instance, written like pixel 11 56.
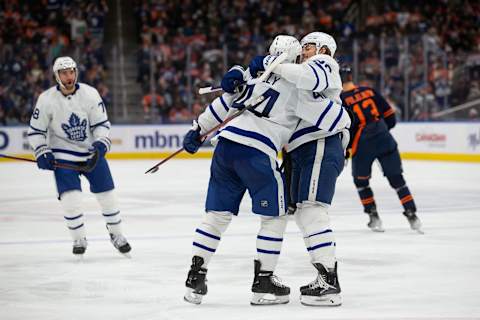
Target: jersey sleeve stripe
pixel 38 130
pixel 36 133
pixel 102 125
pixel 388 113
pixel 316 76
pixel 224 104
pixel 324 113
pixel 40 146
pixel 325 72
pixel 210 107
pixel 98 124
pixel 336 120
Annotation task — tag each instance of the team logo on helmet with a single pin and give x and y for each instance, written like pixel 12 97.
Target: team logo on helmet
pixel 75 130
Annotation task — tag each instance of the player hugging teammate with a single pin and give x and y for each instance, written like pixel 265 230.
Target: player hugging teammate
pixel 300 109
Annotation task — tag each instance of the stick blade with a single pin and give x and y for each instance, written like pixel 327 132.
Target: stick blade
pixel 152 170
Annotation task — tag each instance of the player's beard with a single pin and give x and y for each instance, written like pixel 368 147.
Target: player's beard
pixel 69 85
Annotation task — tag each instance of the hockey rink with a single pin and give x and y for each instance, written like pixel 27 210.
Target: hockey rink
pixel 398 274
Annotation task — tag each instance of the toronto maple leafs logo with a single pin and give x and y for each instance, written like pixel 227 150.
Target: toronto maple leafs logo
pixel 76 130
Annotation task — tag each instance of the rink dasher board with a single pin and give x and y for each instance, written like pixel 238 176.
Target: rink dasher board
pixel 452 141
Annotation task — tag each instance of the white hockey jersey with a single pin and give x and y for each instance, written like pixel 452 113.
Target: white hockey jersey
pixel 317 79
pixel 270 125
pixel 68 125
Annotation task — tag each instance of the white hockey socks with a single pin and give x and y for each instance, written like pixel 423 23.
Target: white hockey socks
pixel 314 222
pixel 208 234
pixel 110 211
pixel 269 241
pixel 71 202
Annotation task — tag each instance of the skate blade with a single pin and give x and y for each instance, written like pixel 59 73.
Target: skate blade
pixel 126 255
pixel 268 299
pixel 377 229
pixel 329 300
pixel 192 297
pixel 417 227
pixel 419 231
pixel 78 257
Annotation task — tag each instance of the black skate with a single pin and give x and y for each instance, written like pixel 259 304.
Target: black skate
pixel 121 244
pixel 196 281
pixel 413 220
pixel 324 290
pixel 267 288
pixel 375 223
pixel 79 246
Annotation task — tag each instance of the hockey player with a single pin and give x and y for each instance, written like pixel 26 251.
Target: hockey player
pixel 69 125
pixel 372 140
pixel 317 159
pixel 245 159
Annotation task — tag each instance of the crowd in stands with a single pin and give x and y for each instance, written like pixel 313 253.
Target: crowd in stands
pixel 32 34
pixel 212 36
pixel 443 61
pixel 201 39
pixel 422 54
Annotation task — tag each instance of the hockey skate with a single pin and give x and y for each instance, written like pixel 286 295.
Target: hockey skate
pixel 324 290
pixel 196 281
pixel 413 220
pixel 375 223
pixel 267 288
pixel 79 246
pixel 121 244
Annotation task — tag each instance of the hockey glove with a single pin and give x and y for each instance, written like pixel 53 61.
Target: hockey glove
pixel 191 141
pixel 232 79
pixel 46 161
pixel 256 66
pixel 98 147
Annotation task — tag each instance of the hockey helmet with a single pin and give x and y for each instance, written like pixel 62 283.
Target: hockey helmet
pixel 289 44
pixel 63 63
pixel 320 39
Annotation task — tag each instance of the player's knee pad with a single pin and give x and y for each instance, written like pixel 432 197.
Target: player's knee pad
pixel 274 226
pixel 218 220
pixel 311 217
pixel 396 181
pixel 107 201
pixel 361 183
pixel 71 202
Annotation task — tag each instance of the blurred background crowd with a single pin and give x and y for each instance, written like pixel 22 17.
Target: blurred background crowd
pixel 148 58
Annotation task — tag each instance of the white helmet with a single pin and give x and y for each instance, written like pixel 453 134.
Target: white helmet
pixel 320 39
pixel 62 63
pixel 289 44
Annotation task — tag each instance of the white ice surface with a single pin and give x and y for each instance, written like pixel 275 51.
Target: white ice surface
pixel 395 275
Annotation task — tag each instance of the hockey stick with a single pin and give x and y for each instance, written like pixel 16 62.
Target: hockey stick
pixel 81 168
pixel 250 106
pixel 262 78
pixel 209 89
